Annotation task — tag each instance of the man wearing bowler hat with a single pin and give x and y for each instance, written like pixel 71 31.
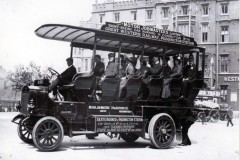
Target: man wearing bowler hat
pixel 64 78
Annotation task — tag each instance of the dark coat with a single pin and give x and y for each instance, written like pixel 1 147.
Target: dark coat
pixel 67 75
pixel 165 71
pixel 176 71
pixel 156 69
pixel 99 69
pixel 190 71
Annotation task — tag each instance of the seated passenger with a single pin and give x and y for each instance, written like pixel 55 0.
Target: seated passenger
pixel 156 68
pixel 123 66
pixel 143 72
pixel 123 81
pixel 177 68
pixel 63 79
pixel 165 74
pixel 111 70
pixel 99 66
pixel 188 76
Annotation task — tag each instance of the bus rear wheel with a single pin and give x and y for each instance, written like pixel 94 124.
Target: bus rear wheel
pixel 162 130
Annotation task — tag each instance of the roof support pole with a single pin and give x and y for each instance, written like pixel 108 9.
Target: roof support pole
pixel 163 58
pixel 94 51
pixel 203 62
pixel 197 61
pixel 119 52
pixel 71 52
pixel 142 52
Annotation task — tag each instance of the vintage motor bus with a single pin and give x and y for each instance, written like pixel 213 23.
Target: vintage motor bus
pixel 45 121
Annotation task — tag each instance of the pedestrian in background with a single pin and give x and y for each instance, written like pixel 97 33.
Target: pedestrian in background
pixel 229 116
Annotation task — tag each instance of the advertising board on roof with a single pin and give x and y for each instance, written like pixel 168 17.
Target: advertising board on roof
pixel 148 32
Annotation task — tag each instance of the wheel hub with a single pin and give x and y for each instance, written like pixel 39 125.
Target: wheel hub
pixel 48 133
pixel 163 130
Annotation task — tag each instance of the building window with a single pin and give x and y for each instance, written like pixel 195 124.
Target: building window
pixel 204 32
pixel 101 18
pixel 165 27
pixel 134 15
pixel 205 8
pixel 223 92
pixel 185 10
pixel 224 63
pixel 224 8
pixel 184 29
pixel 165 12
pixel 79 70
pixel 224 34
pixel 149 14
pixel 204 36
pixel 117 17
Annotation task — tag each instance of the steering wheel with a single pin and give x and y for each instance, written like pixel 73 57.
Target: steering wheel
pixel 53 72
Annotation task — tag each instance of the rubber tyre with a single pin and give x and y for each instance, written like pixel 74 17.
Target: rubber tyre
pixel 162 131
pixel 48 134
pixel 129 137
pixel 25 130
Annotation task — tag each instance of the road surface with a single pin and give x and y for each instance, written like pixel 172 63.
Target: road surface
pixel 213 141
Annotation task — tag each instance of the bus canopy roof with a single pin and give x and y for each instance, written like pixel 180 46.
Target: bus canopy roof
pixel 133 38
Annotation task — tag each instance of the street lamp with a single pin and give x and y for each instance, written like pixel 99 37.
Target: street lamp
pixel 211 72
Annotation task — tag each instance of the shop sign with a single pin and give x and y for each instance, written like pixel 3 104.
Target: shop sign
pixel 231 79
pixel 208 93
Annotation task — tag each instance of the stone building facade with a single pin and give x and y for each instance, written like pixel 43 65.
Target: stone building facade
pixel 214 24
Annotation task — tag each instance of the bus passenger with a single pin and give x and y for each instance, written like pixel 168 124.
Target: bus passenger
pixel 123 81
pixel 99 66
pixel 123 66
pixel 165 74
pixel 156 68
pixel 177 68
pixel 143 72
pixel 188 76
pixel 111 70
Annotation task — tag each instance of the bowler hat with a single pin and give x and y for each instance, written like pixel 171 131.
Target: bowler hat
pixel 111 55
pixel 69 59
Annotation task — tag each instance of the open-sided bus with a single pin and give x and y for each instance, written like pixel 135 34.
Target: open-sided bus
pixel 45 121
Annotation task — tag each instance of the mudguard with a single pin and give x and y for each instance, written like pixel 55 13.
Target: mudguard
pixel 19 116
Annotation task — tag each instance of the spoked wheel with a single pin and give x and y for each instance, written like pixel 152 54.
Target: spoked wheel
pixel 202 116
pixel 48 134
pixel 25 130
pixel 215 116
pixel 129 137
pixel 162 130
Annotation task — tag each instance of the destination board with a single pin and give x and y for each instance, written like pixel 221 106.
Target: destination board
pixel 118 124
pixel 148 32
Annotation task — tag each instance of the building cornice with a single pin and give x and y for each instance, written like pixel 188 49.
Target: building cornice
pixel 117 10
pixel 222 74
pixel 220 43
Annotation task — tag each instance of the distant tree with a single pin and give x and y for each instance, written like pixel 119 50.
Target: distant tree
pixel 24 75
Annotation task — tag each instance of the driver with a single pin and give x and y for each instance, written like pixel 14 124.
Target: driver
pixel 64 78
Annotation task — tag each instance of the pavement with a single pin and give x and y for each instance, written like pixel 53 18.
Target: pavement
pixel 212 141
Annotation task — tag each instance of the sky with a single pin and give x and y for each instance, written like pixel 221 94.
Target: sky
pixel 20 18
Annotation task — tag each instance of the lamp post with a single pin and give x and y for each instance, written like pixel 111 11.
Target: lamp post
pixel 211 72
